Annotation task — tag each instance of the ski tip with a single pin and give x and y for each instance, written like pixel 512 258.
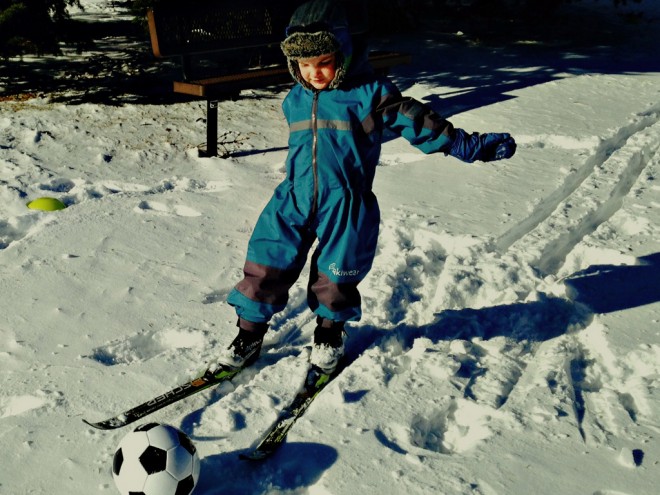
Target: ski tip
pixel 93 425
pixel 105 425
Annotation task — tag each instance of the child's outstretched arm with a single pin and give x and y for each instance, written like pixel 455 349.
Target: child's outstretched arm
pixel 429 132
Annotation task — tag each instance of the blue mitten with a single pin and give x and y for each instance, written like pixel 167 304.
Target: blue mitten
pixel 485 147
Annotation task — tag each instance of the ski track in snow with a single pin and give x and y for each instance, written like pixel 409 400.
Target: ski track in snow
pixel 588 198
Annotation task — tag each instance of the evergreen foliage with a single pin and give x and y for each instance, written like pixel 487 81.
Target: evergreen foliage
pixel 32 26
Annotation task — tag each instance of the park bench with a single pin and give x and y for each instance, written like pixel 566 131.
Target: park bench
pixel 226 46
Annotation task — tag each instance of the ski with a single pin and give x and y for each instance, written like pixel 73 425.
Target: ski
pixel 207 380
pixel 315 381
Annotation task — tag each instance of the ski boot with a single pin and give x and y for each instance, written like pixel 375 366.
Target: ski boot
pixel 243 350
pixel 328 346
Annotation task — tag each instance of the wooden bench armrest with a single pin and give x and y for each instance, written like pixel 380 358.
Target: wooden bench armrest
pixel 153 34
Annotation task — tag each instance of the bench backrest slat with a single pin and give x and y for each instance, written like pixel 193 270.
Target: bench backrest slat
pixel 217 26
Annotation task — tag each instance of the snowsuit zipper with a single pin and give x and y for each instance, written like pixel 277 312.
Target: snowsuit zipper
pixel 315 140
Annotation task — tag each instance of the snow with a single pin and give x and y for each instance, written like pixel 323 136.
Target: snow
pixel 511 337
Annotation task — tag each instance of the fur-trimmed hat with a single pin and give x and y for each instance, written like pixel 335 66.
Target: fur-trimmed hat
pixel 308 45
pixel 317 28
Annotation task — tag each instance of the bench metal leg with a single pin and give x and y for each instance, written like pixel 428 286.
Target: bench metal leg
pixel 211 129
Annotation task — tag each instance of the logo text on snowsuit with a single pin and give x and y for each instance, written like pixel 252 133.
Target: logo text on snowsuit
pixel 337 272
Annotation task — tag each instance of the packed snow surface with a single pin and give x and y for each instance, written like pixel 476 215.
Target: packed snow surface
pixel 510 343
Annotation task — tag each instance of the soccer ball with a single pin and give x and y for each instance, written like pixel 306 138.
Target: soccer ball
pixel 155 459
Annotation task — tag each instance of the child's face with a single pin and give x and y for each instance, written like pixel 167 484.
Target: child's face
pixel 318 71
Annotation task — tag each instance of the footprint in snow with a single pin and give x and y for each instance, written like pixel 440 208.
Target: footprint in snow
pixel 456 427
pixel 14 229
pixel 155 207
pixel 215 296
pixel 22 404
pixel 414 262
pixel 58 186
pixel 146 345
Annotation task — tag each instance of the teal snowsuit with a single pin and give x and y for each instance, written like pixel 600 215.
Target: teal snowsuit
pixel 334 148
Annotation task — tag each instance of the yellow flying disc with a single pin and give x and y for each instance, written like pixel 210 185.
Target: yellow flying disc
pixel 46 204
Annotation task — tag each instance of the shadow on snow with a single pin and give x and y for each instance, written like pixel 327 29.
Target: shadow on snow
pixel 609 288
pixel 596 290
pixel 296 466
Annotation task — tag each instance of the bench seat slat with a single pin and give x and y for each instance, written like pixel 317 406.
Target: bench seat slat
pixel 214 86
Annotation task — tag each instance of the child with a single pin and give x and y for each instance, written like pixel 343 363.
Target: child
pixel 336 114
